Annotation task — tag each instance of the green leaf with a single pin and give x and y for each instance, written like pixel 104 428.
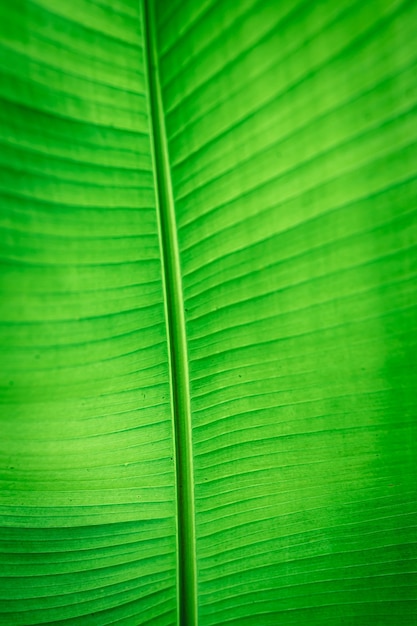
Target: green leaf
pixel 208 312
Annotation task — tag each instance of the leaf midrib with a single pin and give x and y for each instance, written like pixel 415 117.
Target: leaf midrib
pixel 176 331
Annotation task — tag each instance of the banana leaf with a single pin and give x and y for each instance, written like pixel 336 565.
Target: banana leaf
pixel 208 312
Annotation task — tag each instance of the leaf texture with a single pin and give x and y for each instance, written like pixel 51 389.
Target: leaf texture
pixel 290 132
pixel 88 483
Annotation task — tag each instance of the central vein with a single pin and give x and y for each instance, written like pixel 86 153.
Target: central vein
pixel 187 578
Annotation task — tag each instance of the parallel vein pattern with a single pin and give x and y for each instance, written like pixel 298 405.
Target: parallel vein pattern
pixel 87 483
pixel 292 136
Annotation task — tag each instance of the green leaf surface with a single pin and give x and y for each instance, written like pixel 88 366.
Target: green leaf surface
pixel 88 480
pixel 207 333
